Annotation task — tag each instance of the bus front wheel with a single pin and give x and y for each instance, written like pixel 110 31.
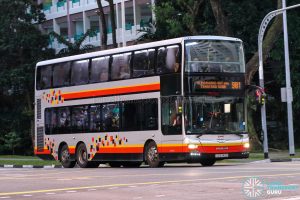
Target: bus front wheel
pixel 64 157
pixel 152 155
pixel 208 162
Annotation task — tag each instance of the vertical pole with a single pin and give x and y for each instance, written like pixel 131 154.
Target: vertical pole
pixel 263 107
pixel 123 23
pixel 134 16
pixel 288 83
pixel 69 20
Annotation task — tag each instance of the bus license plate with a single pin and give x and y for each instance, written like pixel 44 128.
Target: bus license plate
pixel 221 155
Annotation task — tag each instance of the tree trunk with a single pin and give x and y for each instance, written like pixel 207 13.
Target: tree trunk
pixel 193 9
pixel 103 29
pixel 223 27
pixel 113 22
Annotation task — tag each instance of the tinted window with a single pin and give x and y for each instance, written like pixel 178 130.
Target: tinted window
pixel 61 74
pixel 80 72
pixel 132 116
pixel 110 117
pixel 44 75
pixel 50 120
pixel 80 119
pixel 99 69
pixel 143 63
pixel 95 118
pixel 63 123
pixel 150 114
pixel 120 67
pixel 168 59
pixel 171 111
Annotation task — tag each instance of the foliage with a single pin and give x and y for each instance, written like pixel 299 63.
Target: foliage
pixel 21 46
pixel 75 47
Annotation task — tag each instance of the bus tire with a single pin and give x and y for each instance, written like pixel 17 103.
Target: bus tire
pixel 207 162
pixel 115 164
pixel 152 155
pixel 82 156
pixel 64 157
pixel 131 164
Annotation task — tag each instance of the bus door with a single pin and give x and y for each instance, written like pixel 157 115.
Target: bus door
pixel 171 126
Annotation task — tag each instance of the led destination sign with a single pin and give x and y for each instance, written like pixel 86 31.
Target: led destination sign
pixel 222 85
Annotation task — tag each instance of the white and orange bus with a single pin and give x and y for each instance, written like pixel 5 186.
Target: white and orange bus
pixel 177 100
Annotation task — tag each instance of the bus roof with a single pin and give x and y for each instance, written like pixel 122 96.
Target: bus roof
pixel 133 47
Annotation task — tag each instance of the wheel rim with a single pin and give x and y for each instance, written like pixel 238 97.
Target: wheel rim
pixel 152 154
pixel 65 155
pixel 82 156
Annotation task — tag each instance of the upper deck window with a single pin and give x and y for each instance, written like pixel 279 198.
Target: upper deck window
pixel 214 56
pixel 168 59
pixel 61 74
pixel 99 69
pixel 143 63
pixel 80 72
pixel 120 67
pixel 44 75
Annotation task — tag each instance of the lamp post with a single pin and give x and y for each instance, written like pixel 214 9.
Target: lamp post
pixel 262 30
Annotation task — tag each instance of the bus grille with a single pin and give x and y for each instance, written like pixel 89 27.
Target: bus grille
pixel 38 109
pixel 40 139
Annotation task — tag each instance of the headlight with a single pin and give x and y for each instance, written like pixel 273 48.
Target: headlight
pixel 192 146
pixel 247 145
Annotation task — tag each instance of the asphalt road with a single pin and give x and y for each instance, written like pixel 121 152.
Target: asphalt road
pixel 176 181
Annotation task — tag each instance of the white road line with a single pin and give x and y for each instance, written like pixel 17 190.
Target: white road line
pixel 137 197
pixel 63 179
pixel 27 195
pixel 50 193
pixel 71 191
pixel 6 197
pixel 113 188
pixel 160 195
pixel 92 189
pixel 132 186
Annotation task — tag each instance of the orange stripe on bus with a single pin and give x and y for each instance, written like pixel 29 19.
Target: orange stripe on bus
pixel 111 91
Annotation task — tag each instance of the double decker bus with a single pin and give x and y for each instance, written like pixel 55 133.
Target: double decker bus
pixel 177 100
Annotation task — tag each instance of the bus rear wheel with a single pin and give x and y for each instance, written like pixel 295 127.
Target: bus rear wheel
pixel 82 158
pixel 64 157
pixel 208 162
pixel 152 155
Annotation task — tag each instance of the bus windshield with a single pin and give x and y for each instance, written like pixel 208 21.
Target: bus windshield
pixel 214 115
pixel 214 56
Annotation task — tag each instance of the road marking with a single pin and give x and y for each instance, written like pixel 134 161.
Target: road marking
pixel 113 188
pixel 5 197
pixel 27 195
pixel 160 195
pixel 71 191
pixel 50 193
pixel 290 198
pixel 132 186
pixel 64 179
pixel 92 189
pixel 139 183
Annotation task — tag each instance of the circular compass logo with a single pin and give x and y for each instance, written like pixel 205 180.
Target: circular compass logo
pixel 253 187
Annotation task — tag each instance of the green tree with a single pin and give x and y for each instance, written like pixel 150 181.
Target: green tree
pixel 74 48
pixel 21 46
pixel 12 140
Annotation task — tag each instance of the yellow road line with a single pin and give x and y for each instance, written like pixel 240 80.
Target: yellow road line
pixel 141 183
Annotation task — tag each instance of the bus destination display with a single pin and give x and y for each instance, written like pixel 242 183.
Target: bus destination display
pixel 222 85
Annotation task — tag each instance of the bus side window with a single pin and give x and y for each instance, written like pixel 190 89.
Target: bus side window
pixel 95 118
pixel 44 75
pixel 50 120
pixel 120 67
pixel 171 116
pixel 168 59
pixel 161 60
pixel 111 117
pixel 80 119
pixel 99 69
pixel 131 116
pixel 61 74
pixel 80 72
pixel 63 124
pixel 150 114
pixel 143 63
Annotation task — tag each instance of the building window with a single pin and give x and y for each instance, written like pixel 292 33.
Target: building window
pixel 80 72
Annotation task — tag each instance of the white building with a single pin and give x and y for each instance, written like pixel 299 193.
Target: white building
pixel 83 16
